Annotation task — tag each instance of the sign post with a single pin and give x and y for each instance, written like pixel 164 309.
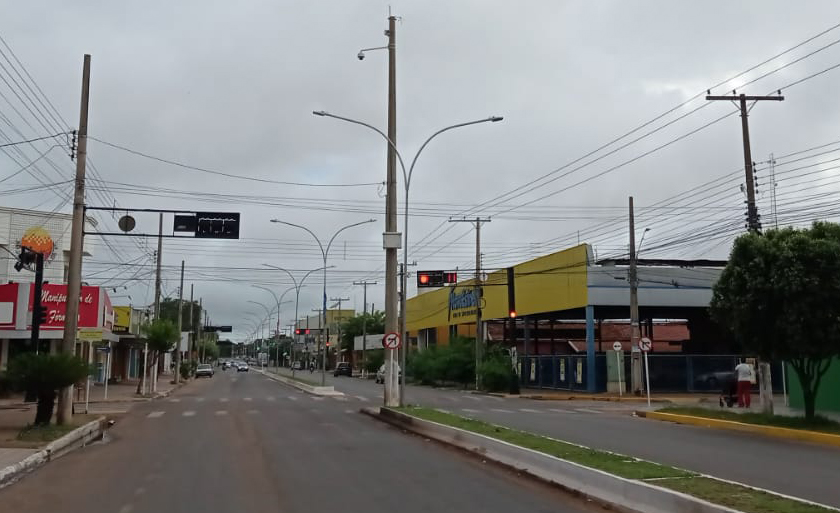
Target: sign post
pixel 645 344
pixel 617 349
pixel 391 342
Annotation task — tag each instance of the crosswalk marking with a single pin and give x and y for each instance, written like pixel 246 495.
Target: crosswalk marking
pixel 349 411
pixel 316 398
pixel 247 399
pixel 340 398
pixel 269 398
pixel 199 399
pixel 558 410
pixel 528 410
pixel 361 398
pixel 188 413
pixel 587 410
pixel 174 400
pixel 221 412
pixel 474 398
pixel 253 412
pixel 494 398
pixel 292 398
pixel 155 414
pixel 500 410
pixel 224 399
pixel 468 410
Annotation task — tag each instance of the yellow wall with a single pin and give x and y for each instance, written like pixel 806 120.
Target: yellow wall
pixel 546 284
pixel 122 319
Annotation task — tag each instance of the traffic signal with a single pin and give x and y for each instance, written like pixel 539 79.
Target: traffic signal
pixel 302 332
pixel 436 278
pixel 511 290
pixel 40 313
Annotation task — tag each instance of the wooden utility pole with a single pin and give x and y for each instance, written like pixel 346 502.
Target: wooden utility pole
pixel 157 274
pixel 635 335
pixel 479 327
pixel 180 327
pixel 191 335
pixel 753 219
pixel 339 300
pixel 364 284
pixel 74 273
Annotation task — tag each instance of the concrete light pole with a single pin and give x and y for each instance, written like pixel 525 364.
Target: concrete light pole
pixel 407 174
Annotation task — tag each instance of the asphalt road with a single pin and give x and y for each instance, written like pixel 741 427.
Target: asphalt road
pixel 794 468
pixel 241 442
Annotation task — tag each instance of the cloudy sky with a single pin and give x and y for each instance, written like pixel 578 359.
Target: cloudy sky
pixel 601 100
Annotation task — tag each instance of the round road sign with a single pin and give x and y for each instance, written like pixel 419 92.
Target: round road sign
pixel 391 341
pixel 645 344
pixel 616 346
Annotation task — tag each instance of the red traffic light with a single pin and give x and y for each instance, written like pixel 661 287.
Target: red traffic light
pixel 512 314
pixel 423 279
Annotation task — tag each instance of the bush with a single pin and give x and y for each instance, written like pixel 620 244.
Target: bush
pixel 44 374
pixel 495 375
pixel 187 369
pixel 375 359
pixel 450 363
pixel 6 385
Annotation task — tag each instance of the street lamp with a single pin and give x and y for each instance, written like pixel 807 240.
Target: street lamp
pixel 407 182
pixel 324 253
pixel 279 301
pixel 298 286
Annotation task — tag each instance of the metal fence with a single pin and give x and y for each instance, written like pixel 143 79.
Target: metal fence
pixel 668 372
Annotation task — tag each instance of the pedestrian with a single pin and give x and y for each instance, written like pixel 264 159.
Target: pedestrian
pixel 744 375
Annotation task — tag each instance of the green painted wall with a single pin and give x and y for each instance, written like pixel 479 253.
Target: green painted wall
pixel 828 397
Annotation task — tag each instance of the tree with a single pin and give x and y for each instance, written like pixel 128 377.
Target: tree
pixel 161 335
pixel 780 295
pixel 45 374
pixel 353 327
pixel 169 311
pixel 208 348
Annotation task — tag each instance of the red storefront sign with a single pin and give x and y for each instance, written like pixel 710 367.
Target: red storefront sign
pixel 8 305
pixel 54 299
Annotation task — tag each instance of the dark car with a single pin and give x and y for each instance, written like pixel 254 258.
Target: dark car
pixel 343 369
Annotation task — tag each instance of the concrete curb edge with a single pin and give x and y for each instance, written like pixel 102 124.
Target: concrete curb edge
pixel 619 493
pixel 75 439
pixel 326 391
pixel 778 432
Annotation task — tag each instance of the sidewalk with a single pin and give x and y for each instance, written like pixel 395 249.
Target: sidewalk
pixel 117 393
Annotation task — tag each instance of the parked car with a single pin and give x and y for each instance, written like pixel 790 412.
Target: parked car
pixel 380 374
pixel 204 369
pixel 343 369
pixel 242 367
pixel 298 365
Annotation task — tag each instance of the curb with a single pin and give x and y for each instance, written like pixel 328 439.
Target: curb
pixel 75 439
pixel 555 397
pixel 325 391
pixel 620 494
pixel 778 432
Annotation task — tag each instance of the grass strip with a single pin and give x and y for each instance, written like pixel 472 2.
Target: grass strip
pixel 738 497
pixel 44 433
pixel 742 498
pixel 616 464
pixel 818 423
pixel 301 380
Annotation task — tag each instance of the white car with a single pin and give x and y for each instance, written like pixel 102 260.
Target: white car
pixel 380 374
pixel 242 367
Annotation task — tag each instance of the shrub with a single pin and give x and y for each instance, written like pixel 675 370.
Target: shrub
pixel 44 374
pixel 375 359
pixel 187 369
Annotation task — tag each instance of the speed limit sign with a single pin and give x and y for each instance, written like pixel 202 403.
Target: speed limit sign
pixel 391 341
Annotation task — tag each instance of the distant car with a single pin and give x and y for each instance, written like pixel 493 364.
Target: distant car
pixel 298 365
pixel 380 374
pixel 713 380
pixel 242 367
pixel 343 369
pixel 204 369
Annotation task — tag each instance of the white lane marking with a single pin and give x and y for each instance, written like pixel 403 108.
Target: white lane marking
pixel 587 410
pixel 253 412
pixel 469 410
pixel 349 411
pixel 221 412
pixel 494 398
pixel 292 398
pixel 224 399
pixel 199 399
pixel 155 414
pixel 340 398
pixel 128 508
pixel 528 410
pixel 174 400
pixel 269 398
pixel 361 398
pixel 558 410
pixel 247 399
pixel 316 398
pixel 188 413
pixel 500 410
pixel 474 398
pixel 442 410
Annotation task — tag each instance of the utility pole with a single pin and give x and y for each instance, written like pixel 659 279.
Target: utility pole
pixel 635 335
pixel 200 329
pixel 180 327
pixel 191 336
pixel 339 300
pixel 157 275
pixel 753 219
pixel 74 275
pixel 479 327
pixel 364 284
pixel 391 324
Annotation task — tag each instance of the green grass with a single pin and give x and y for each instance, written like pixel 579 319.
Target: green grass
pixel 818 423
pixel 44 433
pixel 617 464
pixel 735 496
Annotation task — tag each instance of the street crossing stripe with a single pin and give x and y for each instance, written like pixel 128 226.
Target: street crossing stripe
pixel 292 398
pixel 468 410
pixel 247 399
pixel 500 410
pixel 188 413
pixel 199 399
pixel 224 399
pixel 316 398
pixel 528 410
pixel 269 398
pixel 558 410
pixel 474 398
pixel 221 412
pixel 174 400
pixel 361 398
pixel 155 414
pixel 586 410
pixel 253 412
